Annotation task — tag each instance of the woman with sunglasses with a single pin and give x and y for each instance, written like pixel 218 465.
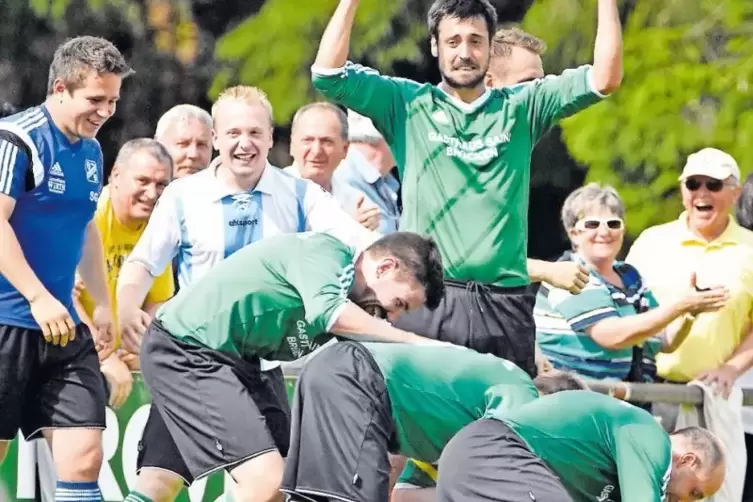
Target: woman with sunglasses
pixel 595 333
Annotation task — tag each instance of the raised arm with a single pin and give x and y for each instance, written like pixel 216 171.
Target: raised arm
pixel 333 48
pixel 607 67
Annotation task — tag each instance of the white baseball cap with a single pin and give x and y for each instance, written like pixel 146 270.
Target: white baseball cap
pixel 712 163
pixel 362 128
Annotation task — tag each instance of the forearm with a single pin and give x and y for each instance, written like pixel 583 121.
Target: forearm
pixel 15 268
pixel 92 266
pixel 134 283
pixel 354 323
pixel 607 67
pixel 622 332
pixel 742 358
pixel 676 333
pixel 537 270
pixel 333 48
pixel 152 307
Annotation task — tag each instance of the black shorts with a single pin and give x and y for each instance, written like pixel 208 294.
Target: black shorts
pixel 486 318
pixel 44 386
pixel 342 430
pixel 210 411
pixel 488 461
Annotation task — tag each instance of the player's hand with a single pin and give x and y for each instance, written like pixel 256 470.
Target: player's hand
pixel 367 214
pixel 119 378
pixel 543 364
pixel 721 379
pixel 104 331
pixel 53 319
pixel 133 325
pixel 130 360
pixel 78 287
pixel 567 275
pixel 696 300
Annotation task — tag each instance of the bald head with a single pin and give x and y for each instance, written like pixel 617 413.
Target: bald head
pixel 698 464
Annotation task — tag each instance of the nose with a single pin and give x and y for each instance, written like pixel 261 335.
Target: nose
pixel 465 50
pixel 603 230
pixel 106 110
pixel 150 191
pixel 192 152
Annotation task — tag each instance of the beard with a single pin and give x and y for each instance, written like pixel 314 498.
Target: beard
pixel 471 81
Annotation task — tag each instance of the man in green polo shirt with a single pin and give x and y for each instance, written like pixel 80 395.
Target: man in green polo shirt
pixel 357 402
pixel 578 446
pixel 277 299
pixel 464 153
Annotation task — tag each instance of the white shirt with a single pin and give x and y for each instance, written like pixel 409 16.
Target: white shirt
pixel 343 193
pixel 202 221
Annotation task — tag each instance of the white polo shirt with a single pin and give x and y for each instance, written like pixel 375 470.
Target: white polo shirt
pixel 202 221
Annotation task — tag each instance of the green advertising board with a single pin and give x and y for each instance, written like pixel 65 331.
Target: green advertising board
pixel 18 474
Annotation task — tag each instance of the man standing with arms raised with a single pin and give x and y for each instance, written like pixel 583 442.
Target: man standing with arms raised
pixel 50 179
pixel 469 161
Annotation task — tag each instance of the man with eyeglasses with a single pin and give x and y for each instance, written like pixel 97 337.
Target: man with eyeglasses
pixel 707 241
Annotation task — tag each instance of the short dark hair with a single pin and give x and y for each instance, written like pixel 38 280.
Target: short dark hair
pixel 505 39
pixel 704 443
pixel 148 145
pixel 74 59
pixel 420 256
pixel 461 9
pixel 554 381
pixel 744 208
pixel 7 109
pixel 323 105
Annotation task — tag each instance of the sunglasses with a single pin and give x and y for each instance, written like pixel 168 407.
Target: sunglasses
pixel 594 223
pixel 712 185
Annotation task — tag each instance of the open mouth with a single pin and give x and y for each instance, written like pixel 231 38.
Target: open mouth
pixel 244 157
pixel 703 208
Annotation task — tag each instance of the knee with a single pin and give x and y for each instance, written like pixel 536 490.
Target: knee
pixel 79 458
pixel 259 480
pixel 159 485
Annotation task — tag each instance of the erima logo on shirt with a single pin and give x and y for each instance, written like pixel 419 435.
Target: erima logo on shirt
pixel 91 171
pixel 243 223
pixel 605 493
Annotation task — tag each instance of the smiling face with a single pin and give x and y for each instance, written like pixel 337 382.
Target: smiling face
pixel 138 185
pixel 317 145
pixel 598 235
pixel 242 136
pixel 189 142
pixel 84 108
pixel 708 202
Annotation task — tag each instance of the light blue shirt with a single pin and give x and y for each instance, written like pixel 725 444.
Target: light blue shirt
pixel 359 173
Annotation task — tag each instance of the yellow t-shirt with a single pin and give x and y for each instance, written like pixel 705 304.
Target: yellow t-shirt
pixel 118 242
pixel 665 256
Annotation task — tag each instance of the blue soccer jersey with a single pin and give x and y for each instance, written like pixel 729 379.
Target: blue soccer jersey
pixel 51 216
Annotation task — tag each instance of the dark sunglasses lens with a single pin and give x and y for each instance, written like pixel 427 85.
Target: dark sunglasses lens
pixel 692 184
pixel 591 224
pixel 714 185
pixel 614 224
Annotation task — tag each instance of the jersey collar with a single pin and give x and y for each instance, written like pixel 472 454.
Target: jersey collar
pixel 462 105
pixel 219 190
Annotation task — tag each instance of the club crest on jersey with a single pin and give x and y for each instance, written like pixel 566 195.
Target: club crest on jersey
pixel 91 171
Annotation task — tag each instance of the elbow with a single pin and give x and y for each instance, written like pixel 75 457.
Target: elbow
pixel 610 341
pixel 608 82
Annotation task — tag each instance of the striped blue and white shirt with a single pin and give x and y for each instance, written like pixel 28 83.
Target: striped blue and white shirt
pixel 52 212
pixel 202 221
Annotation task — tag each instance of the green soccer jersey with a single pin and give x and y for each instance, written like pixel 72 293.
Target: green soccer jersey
pixel 464 168
pixel 437 390
pixel 276 298
pixel 602 449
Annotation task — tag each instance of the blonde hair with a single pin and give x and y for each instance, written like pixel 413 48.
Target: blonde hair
pixel 507 38
pixel 244 94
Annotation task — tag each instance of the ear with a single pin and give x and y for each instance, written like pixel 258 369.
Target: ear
pixel 214 139
pixel 385 265
pixel 58 86
pixel 434 48
pixel 489 80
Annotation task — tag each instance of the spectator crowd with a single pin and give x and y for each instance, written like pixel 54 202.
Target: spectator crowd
pixel 388 265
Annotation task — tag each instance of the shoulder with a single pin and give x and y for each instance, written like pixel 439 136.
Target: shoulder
pixel 665 231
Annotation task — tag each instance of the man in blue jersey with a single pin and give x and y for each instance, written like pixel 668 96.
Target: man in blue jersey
pixel 50 179
pixel 203 219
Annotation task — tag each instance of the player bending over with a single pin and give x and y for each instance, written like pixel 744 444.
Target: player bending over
pixel 277 299
pixel 357 402
pixel 580 447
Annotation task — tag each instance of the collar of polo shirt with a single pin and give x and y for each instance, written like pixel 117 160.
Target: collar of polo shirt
pixel 219 190
pixel 731 234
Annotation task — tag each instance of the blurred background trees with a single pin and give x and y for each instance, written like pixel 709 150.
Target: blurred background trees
pixel 688 68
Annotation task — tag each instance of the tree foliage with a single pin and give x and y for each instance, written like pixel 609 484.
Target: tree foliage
pixel 688 68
